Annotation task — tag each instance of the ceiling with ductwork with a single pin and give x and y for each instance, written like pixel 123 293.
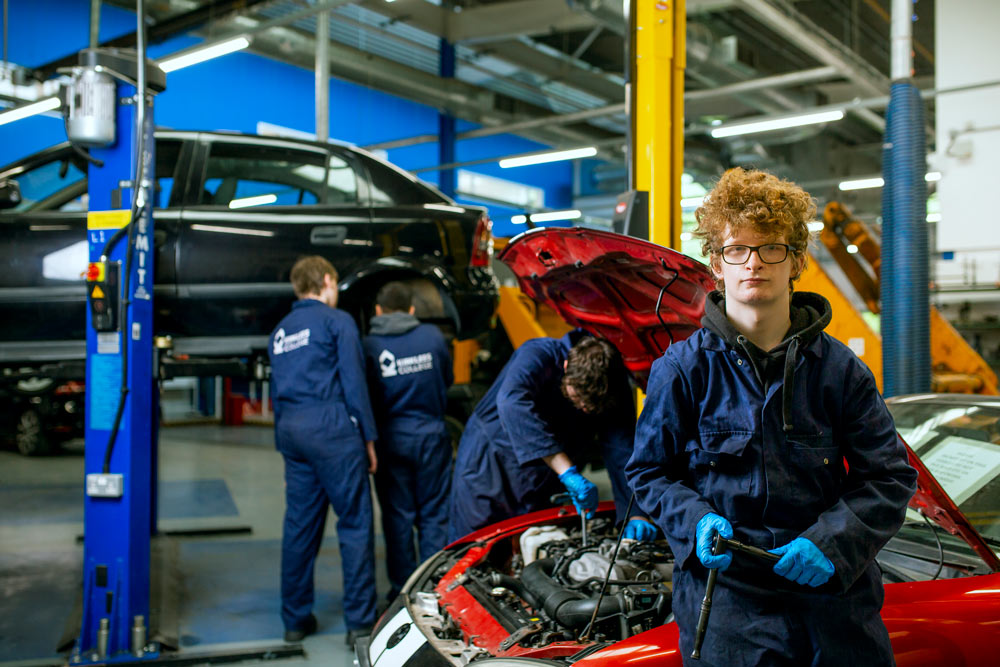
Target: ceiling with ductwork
pixel 561 62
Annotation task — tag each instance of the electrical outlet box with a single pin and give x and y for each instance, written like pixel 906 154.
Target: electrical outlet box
pixel 105 485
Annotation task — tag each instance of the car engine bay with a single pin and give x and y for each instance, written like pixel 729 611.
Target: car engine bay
pixel 534 593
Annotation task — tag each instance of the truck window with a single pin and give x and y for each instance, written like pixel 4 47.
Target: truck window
pixel 341 182
pixel 57 185
pixel 388 187
pixel 60 184
pixel 242 175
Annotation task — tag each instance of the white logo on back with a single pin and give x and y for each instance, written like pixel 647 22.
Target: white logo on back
pixel 387 362
pixel 391 366
pixel 287 342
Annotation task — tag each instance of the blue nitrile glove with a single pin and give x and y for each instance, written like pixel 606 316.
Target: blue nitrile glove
pixel 640 530
pixel 581 490
pixel 803 562
pixel 708 526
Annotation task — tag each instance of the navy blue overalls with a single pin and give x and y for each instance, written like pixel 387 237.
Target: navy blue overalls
pixel 409 371
pixel 322 420
pixel 769 457
pixel 499 472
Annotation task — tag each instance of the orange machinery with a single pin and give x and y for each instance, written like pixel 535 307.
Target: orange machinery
pixel 956 367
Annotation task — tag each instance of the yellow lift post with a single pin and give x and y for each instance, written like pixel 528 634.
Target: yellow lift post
pixel 656 112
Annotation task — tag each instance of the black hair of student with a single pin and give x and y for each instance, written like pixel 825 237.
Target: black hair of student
pixel 594 369
pixel 395 297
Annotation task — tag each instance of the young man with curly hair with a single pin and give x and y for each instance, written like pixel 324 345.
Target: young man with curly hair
pixel 763 428
pixel 550 403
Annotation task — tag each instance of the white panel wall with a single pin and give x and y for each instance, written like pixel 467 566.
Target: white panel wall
pixel 968 51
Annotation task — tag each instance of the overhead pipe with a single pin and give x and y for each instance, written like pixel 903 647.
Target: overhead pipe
pixel 765 83
pixel 777 81
pixel 905 261
pixel 782 17
pixel 95 24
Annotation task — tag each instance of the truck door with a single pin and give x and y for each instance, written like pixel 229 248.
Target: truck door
pixel 42 293
pixel 261 205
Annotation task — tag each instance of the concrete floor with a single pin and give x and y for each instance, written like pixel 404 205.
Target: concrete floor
pixel 210 477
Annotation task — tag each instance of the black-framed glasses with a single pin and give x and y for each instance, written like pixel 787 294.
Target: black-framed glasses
pixel 769 253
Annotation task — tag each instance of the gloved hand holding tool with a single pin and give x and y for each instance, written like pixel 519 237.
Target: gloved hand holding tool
pixel 708 526
pixel 581 490
pixel 719 545
pixel 803 562
pixel 640 530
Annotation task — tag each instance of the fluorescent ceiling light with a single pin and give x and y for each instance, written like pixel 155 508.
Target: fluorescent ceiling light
pixel 552 156
pixel 232 230
pixel 203 54
pixel 815 226
pixel 519 219
pixel 777 123
pixel 865 183
pixel 552 216
pixel 852 249
pixel 259 200
pixel 692 202
pixel 686 236
pixel 25 110
pixel 862 184
pixel 933 217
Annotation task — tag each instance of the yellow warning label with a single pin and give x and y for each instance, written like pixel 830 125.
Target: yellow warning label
pixel 98 293
pixel 107 219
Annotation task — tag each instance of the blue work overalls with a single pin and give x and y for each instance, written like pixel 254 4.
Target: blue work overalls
pixel 322 420
pixel 499 471
pixel 409 372
pixel 712 437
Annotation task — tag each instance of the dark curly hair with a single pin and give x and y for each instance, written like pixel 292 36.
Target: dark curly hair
pixel 758 201
pixel 592 370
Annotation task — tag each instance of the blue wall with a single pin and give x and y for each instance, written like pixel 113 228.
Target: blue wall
pixel 234 92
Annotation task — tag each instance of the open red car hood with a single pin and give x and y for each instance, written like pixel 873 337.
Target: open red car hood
pixel 608 285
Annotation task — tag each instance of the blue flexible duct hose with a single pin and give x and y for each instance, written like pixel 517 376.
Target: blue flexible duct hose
pixel 905 261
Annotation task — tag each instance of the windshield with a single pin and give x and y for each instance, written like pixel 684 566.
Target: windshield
pixel 960 445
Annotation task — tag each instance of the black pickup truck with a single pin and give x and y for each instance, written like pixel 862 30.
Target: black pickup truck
pixel 232 214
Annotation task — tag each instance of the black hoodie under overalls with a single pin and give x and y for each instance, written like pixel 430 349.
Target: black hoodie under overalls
pixel 761 438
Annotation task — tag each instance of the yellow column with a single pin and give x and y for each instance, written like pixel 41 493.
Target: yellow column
pixel 658 113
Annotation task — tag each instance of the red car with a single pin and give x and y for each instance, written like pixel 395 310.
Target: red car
pixel 524 591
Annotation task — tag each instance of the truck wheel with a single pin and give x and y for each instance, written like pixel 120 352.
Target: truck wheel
pixel 30 436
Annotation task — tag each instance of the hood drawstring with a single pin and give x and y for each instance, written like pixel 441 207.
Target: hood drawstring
pixel 788 388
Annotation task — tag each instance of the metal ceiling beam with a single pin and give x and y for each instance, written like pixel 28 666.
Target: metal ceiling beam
pixel 486 23
pixel 456 97
pixel 778 81
pixel 790 24
pixel 509 19
pixel 554 66
pixel 159 31
pixel 603 143
pixel 765 83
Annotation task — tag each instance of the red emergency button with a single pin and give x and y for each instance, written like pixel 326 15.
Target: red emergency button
pixel 95 272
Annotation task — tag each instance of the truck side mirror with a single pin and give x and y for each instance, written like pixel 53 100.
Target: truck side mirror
pixel 10 193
